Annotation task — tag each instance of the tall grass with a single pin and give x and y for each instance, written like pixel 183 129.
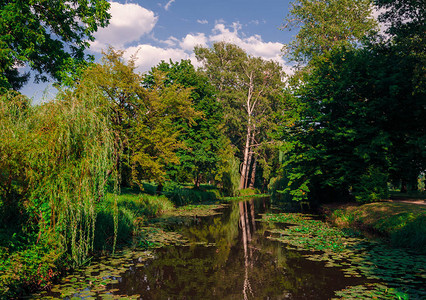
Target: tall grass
pixel 181 195
pixel 134 210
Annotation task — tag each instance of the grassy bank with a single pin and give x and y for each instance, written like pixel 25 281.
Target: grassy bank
pixel 404 224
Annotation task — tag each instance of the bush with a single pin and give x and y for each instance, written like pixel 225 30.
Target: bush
pixel 372 186
pixel 230 180
pixel 180 195
pixel 133 211
pixel 29 269
pixel 276 187
pixel 248 192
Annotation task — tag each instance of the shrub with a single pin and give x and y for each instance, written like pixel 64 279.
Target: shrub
pixel 180 195
pixel 230 180
pixel 372 186
pixel 133 211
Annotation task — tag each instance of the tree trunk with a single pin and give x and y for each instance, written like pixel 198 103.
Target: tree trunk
pixel 245 159
pixel 248 167
pixel 197 182
pixel 253 174
pixel 403 186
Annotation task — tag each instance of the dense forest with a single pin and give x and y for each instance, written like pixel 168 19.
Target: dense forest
pixel 347 125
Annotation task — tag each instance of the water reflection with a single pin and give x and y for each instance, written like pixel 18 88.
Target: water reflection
pixel 241 264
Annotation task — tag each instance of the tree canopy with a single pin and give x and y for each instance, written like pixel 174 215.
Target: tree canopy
pixel 204 139
pixel 323 24
pixel 359 113
pixel 48 35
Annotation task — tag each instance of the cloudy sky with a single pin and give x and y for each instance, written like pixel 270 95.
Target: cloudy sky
pixel 158 30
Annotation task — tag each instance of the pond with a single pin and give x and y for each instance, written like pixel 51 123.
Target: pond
pixel 249 250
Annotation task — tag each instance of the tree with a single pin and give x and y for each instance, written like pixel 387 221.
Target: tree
pixel 204 140
pixel 323 24
pixel 248 88
pixel 359 109
pixel 142 117
pixel 49 36
pixel 405 45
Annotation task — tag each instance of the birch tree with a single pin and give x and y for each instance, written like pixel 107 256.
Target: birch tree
pixel 248 88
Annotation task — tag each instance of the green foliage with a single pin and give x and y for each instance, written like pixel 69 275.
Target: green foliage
pixel 56 161
pixel 359 108
pixel 248 192
pixel 371 187
pixel 36 265
pixel 403 223
pixel 180 195
pixel 323 25
pixel 64 149
pixel 49 36
pixel 358 120
pixel 249 88
pixel 276 187
pixel 134 211
pixel 202 137
pixel 230 179
pixel 142 117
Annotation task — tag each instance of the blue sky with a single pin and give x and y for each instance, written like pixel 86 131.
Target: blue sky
pixel 169 29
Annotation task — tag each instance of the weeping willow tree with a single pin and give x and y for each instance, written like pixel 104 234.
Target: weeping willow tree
pixel 57 159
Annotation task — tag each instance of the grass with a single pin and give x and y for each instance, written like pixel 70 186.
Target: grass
pixel 184 195
pixel 403 223
pixel 134 211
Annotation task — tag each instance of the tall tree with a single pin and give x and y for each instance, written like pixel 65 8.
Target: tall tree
pixel 141 117
pixel 323 24
pixel 405 45
pixel 48 35
pixel 204 140
pixel 247 87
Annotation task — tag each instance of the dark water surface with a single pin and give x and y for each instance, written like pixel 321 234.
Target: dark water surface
pixel 243 264
pixel 228 256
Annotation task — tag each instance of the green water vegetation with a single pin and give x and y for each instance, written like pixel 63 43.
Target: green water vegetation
pixel 391 273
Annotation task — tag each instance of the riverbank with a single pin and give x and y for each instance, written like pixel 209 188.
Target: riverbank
pixel 28 265
pixel 402 222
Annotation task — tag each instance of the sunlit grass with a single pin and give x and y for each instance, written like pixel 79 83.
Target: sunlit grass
pixel 403 223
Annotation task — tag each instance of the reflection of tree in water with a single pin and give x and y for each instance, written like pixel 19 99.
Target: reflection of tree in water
pixel 242 264
pixel 246 238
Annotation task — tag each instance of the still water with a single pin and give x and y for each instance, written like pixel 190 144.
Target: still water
pixel 225 256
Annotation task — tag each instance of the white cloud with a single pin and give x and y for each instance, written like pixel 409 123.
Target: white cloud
pixel 171 41
pixel 190 41
pixel 254 45
pixel 129 22
pixel 167 6
pixel 149 56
